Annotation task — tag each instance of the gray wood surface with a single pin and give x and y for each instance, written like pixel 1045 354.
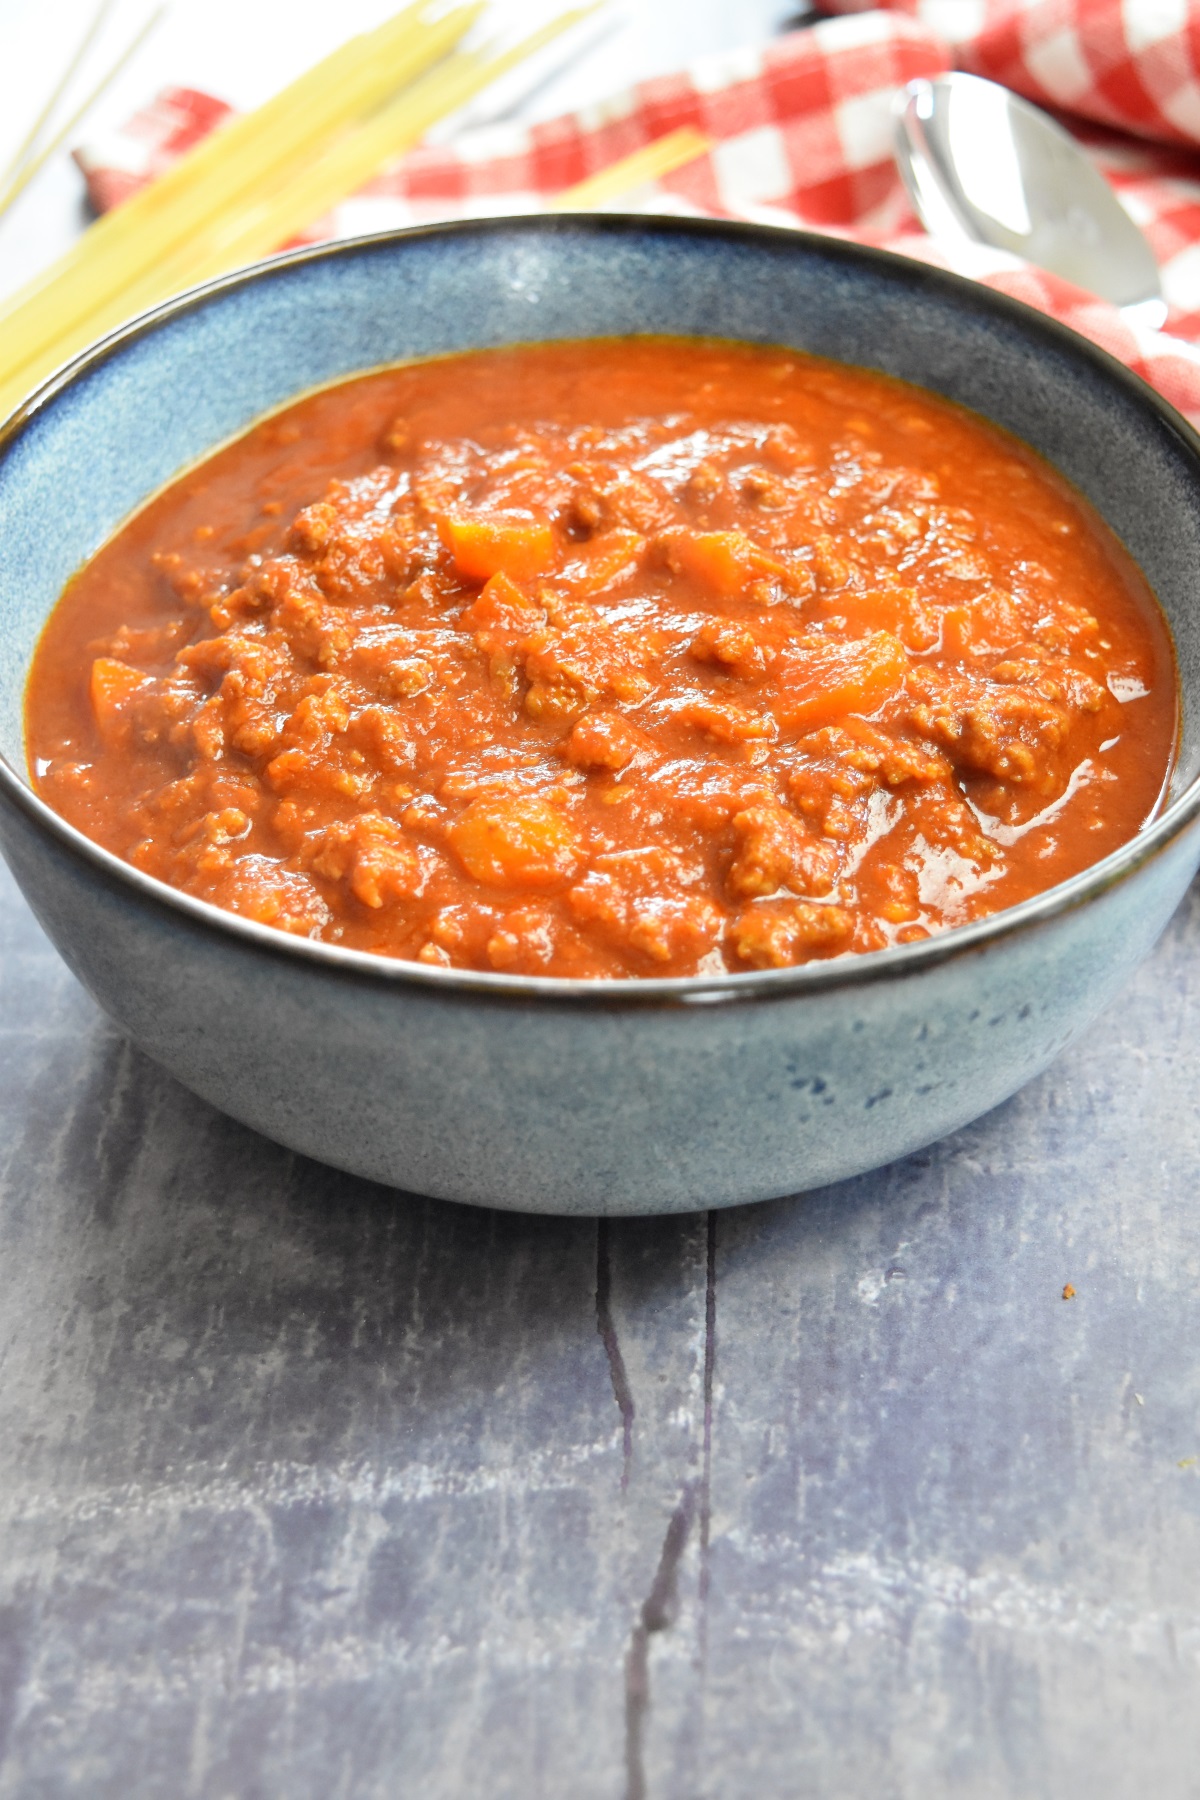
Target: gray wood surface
pixel 310 1489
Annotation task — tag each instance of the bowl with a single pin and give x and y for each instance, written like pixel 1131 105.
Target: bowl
pixel 572 1097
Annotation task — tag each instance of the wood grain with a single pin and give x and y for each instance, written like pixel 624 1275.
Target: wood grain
pixel 312 1489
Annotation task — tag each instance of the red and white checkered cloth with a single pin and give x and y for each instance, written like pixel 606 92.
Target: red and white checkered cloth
pixel 802 135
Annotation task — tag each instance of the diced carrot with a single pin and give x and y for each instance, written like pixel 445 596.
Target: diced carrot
pixel 990 624
pixel 897 610
pixel 501 605
pixel 822 678
pixel 957 635
pixel 519 545
pixel 726 560
pixel 606 559
pixel 516 841
pixel 112 684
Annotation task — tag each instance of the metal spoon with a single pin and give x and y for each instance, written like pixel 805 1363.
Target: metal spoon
pixel 983 165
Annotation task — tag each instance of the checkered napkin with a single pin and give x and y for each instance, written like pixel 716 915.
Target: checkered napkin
pixel 802 135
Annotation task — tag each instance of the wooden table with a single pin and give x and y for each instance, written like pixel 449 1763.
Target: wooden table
pixel 310 1489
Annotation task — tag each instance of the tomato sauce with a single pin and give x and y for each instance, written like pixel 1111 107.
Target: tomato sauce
pixel 625 657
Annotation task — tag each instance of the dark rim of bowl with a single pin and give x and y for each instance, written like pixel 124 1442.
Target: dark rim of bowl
pixel 898 960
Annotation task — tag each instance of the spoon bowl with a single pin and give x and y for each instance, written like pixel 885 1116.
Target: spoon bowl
pixel 982 165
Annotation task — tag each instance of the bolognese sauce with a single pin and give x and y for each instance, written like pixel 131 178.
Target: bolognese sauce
pixel 611 658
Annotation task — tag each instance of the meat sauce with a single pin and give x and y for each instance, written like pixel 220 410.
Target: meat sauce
pixel 624 657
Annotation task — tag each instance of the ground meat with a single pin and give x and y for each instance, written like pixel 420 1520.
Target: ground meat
pixel 773 850
pixel 1011 731
pixel 775 937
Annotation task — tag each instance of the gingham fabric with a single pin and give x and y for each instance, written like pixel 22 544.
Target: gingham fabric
pixel 802 135
pixel 1134 64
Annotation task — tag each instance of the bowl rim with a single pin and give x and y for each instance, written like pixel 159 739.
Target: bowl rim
pixel 854 969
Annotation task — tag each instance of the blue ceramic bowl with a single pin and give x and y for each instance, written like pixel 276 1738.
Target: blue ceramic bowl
pixel 618 1097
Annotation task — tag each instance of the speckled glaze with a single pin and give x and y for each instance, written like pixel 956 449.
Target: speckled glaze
pixel 622 1097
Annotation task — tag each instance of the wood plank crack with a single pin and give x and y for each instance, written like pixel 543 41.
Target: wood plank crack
pixel 657 1613
pixel 622 1392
